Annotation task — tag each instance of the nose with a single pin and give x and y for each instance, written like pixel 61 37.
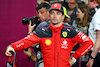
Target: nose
pixel 55 15
pixel 39 15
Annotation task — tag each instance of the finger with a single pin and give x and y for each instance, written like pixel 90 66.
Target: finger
pixel 8 54
pixel 71 63
pixel 87 65
pixel 30 22
pixel 34 25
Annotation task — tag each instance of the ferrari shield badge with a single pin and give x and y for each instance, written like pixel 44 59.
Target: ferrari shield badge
pixel 64 34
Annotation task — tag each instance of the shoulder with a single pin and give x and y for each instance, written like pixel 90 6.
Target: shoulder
pixel 68 26
pixel 98 12
pixel 70 30
pixel 43 31
pixel 43 24
pixel 96 16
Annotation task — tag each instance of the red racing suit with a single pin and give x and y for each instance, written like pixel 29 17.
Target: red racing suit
pixel 56 44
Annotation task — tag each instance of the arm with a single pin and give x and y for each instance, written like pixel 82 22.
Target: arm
pixel 23 43
pixel 96 48
pixel 30 54
pixel 86 42
pixel 28 51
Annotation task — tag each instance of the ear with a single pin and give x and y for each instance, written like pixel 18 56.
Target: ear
pixel 95 2
pixel 49 15
pixel 63 17
pixel 84 13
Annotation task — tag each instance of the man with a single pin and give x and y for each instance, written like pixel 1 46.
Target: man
pixel 94 32
pixel 56 41
pixel 72 4
pixel 43 16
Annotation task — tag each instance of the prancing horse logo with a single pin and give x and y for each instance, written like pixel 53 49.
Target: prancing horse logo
pixel 64 34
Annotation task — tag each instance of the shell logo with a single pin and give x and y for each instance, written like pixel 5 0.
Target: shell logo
pixel 48 42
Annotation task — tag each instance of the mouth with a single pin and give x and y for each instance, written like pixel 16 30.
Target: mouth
pixel 55 19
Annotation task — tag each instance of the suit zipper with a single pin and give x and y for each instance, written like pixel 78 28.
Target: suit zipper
pixel 57 59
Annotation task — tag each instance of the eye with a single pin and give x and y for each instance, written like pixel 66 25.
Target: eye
pixel 42 12
pixel 77 11
pixel 58 13
pixel 51 13
pixel 83 11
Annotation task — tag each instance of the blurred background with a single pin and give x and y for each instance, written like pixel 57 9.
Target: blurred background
pixel 12 29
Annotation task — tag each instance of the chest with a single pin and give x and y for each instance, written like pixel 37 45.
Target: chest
pixel 61 40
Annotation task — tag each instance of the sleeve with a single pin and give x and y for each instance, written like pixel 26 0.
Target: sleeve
pixel 96 21
pixel 26 42
pixel 86 42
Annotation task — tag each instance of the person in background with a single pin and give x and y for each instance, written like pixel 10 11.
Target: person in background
pixel 94 33
pixel 66 20
pixel 72 8
pixel 42 1
pixel 43 16
pixel 81 22
pixel 56 40
pixel 83 18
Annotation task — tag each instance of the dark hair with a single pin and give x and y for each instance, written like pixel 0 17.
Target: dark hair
pixel 45 5
pixel 76 1
pixel 47 0
pixel 98 1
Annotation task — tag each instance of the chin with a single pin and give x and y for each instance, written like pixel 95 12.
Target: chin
pixel 78 18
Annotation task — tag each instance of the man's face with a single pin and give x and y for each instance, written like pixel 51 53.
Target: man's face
pixel 91 4
pixel 72 4
pixel 42 14
pixel 56 17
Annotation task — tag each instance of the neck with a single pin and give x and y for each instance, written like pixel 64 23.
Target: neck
pixel 96 5
pixel 66 23
pixel 47 19
pixel 81 19
pixel 56 24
